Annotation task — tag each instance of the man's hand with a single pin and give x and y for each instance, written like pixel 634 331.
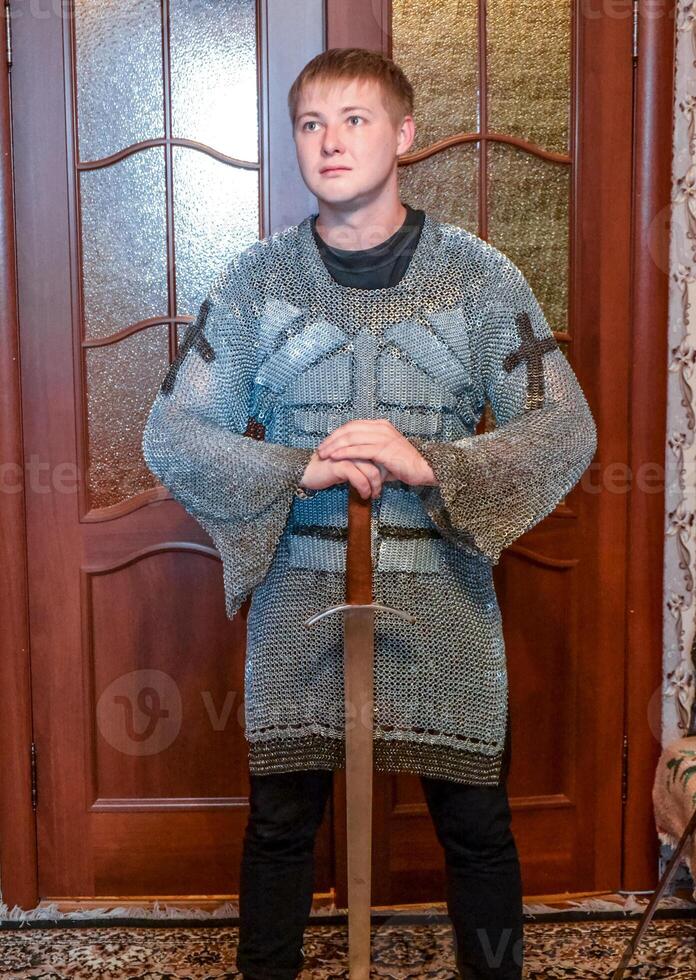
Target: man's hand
pixel 367 477
pixel 378 441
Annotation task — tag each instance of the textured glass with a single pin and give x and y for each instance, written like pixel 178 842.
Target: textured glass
pixel 124 261
pixel 216 210
pixel 528 211
pixel 213 72
pixel 437 46
pixel 445 185
pixel 528 53
pixel 122 379
pixel 118 49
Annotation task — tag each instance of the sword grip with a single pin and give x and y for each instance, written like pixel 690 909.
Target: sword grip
pixel 359 549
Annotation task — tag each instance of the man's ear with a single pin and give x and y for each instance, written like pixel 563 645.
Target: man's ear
pixel 407 134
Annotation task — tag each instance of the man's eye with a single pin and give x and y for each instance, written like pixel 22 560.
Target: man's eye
pixel 310 122
pixel 355 117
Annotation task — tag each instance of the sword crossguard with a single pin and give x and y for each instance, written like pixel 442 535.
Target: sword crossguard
pixel 344 606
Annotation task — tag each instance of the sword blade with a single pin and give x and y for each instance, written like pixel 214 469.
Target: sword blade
pixel 359 634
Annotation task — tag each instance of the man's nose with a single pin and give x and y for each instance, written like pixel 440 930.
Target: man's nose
pixel 332 140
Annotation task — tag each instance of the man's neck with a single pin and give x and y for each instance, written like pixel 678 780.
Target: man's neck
pixel 361 229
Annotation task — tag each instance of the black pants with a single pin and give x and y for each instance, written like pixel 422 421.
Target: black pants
pixel 472 823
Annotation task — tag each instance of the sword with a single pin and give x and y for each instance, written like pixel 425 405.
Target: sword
pixel 358 667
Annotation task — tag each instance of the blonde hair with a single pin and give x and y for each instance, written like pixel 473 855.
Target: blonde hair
pixel 357 63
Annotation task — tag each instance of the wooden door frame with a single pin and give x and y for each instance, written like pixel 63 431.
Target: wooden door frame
pixel 18 853
pixel 642 602
pixel 640 303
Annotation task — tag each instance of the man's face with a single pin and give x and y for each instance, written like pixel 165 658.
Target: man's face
pixel 346 125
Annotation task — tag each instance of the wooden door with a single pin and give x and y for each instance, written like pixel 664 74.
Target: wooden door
pixel 150 139
pixel 122 215
pixel 524 136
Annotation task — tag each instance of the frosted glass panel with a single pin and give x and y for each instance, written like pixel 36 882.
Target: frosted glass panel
pixel 118 49
pixel 437 46
pixel 213 58
pixel 216 210
pixel 124 242
pixel 122 381
pixel 123 207
pixel 528 221
pixel 529 49
pixel 445 185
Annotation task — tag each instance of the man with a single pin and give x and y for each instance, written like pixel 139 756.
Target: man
pixel 358 348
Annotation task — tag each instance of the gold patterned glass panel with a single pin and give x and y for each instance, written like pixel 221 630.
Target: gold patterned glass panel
pixel 528 221
pixel 122 381
pixel 124 250
pixel 528 53
pixel 436 44
pixel 214 91
pixel 118 61
pixel 216 210
pixel 445 185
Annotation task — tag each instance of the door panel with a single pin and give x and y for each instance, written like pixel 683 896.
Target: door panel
pixel 523 136
pixel 142 159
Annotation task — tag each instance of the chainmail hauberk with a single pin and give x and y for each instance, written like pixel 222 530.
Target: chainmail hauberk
pixel 279 356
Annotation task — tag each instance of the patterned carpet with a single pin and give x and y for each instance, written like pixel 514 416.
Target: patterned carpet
pixel 400 950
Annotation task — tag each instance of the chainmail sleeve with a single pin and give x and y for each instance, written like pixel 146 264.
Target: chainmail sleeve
pixel 495 486
pixel 202 443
